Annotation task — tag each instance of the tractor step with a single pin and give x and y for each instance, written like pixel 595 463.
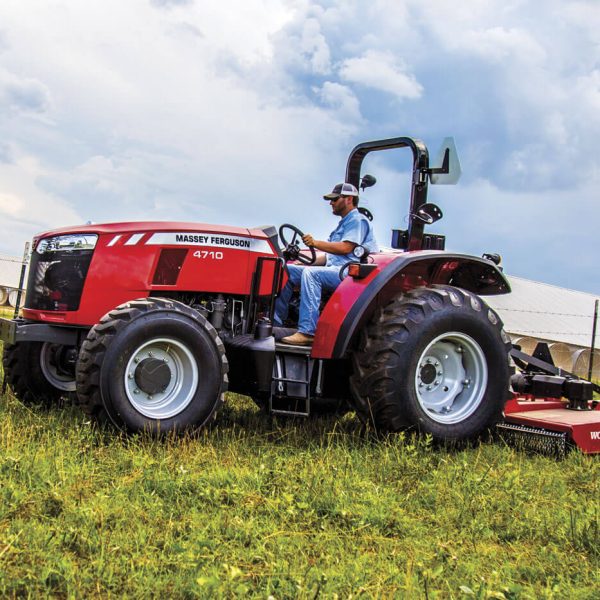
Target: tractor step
pixel 290 387
pixel 291 349
pixel 534 439
pixel 289 406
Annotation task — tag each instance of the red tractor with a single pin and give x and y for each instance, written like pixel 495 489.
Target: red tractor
pixel 147 324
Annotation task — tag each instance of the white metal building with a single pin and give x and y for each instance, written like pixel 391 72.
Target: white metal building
pixel 564 318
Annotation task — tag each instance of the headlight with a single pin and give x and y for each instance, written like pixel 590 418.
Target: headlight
pixel 77 241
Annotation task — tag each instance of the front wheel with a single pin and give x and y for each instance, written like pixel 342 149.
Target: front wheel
pixel 152 365
pixel 435 359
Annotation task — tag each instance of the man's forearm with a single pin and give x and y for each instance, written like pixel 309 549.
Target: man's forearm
pixel 333 247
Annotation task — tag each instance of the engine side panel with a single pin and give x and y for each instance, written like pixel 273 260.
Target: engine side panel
pixel 151 258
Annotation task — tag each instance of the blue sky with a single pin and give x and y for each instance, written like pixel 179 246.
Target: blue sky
pixel 244 113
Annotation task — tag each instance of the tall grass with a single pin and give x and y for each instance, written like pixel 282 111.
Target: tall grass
pixel 259 507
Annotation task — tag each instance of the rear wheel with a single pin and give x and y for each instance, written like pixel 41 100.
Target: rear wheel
pixel 39 372
pixel 152 365
pixel 435 359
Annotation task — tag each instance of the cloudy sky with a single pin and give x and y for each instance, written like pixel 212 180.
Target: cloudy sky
pixel 244 111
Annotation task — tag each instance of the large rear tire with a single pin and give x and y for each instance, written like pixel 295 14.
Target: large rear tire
pixel 152 365
pixel 435 359
pixel 39 372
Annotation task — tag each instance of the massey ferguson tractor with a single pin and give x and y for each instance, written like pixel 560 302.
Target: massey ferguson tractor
pixel 147 324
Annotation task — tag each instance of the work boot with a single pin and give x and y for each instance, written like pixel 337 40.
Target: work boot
pixel 298 339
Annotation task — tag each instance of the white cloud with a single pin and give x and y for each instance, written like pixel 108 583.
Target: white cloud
pixel 314 45
pixel 22 93
pixel 381 71
pixel 11 205
pixel 342 99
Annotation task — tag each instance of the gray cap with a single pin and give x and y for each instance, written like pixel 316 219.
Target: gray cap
pixel 341 189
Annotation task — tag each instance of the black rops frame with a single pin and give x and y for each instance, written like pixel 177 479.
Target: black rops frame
pixel 420 177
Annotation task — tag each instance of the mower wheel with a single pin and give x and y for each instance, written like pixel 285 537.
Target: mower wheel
pixel 38 372
pixel 435 359
pixel 152 365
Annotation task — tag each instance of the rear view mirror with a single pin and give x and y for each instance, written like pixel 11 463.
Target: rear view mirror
pixel 446 168
pixel 367 181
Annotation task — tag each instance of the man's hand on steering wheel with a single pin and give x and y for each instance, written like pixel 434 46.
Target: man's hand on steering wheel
pixel 292 250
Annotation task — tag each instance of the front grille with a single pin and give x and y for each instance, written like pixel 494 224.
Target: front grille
pixel 56 279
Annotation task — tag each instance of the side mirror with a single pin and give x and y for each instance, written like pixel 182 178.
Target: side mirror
pixel 429 213
pixel 367 181
pixel 448 172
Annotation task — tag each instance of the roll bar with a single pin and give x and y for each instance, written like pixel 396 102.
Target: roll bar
pixel 420 176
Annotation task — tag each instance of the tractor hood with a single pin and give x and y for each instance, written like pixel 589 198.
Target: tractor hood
pixel 136 227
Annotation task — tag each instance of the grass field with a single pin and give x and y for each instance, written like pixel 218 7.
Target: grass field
pixel 286 509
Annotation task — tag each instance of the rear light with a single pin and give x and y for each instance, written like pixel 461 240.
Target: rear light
pixel 360 270
pixel 78 241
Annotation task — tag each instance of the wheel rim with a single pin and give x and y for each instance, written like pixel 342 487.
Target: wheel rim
pixel 60 381
pixel 451 378
pixel 161 378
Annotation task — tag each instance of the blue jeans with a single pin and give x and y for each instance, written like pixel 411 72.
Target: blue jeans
pixel 312 281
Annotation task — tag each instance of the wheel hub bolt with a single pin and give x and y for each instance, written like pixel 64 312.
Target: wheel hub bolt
pixel 459 349
pixel 440 373
pixel 428 388
pixel 436 363
pixel 436 382
pixel 150 354
pixel 136 359
pixel 136 391
pixel 130 376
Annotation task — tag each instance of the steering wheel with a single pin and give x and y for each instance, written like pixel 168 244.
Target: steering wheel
pixel 292 248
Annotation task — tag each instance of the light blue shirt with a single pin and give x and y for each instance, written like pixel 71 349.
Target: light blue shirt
pixel 355 228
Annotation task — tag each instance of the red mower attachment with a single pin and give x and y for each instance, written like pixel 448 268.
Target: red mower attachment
pixel 550 409
pixel 552 421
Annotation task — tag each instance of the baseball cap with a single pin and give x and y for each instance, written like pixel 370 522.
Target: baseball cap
pixel 341 189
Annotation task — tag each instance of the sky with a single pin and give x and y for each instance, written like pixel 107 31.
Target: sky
pixel 244 112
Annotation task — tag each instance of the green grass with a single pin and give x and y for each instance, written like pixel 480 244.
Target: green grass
pixel 286 509
pixel 7 312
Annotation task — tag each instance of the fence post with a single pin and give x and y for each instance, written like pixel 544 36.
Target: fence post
pixel 593 345
pixel 21 280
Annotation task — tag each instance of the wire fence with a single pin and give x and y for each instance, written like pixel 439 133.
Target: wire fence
pixel 572 337
pixel 10 275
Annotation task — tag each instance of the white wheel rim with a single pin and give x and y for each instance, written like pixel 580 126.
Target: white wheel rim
pixel 66 383
pixel 451 378
pixel 182 378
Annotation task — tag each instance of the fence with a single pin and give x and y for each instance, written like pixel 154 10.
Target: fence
pixel 10 274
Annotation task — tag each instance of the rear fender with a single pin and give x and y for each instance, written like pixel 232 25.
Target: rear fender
pixel 355 300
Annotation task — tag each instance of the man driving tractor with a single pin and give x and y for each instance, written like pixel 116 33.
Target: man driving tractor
pixel 353 230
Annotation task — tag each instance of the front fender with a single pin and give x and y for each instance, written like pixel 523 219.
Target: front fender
pixel 355 300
